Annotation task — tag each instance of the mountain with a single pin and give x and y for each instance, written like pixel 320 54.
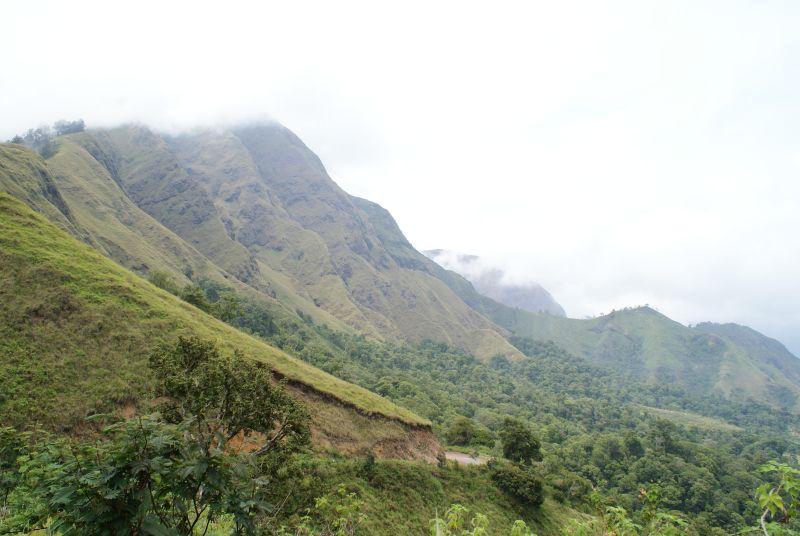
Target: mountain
pixel 734 361
pixel 491 282
pixel 255 205
pixel 325 288
pixel 76 329
pixel 253 209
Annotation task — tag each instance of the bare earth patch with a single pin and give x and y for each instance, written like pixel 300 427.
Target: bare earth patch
pixel 466 459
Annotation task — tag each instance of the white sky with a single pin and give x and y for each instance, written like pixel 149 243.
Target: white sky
pixel 619 153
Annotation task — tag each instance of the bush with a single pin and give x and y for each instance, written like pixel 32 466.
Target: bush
pixel 196 296
pixel 163 281
pixel 521 483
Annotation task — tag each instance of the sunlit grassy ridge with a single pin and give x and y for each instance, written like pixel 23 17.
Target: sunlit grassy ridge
pixel 75 330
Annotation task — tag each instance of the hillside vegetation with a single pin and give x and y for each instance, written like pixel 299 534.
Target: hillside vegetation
pixel 253 208
pixel 75 343
pixel 246 241
pixel 76 329
pixel 734 361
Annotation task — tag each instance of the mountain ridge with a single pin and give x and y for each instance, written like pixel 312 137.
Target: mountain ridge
pixel 252 207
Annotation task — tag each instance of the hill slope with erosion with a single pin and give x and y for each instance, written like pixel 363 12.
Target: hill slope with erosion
pixel 278 200
pixel 76 329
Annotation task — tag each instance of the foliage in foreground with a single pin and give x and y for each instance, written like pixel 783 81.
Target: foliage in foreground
pixel 456 522
pixel 779 500
pixel 170 473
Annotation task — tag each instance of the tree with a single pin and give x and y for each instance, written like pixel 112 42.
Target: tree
pixel 196 296
pixel 663 434
pixel 461 432
pixel 226 397
pixel 520 482
pixel 633 445
pixel 228 307
pixel 779 501
pixel 178 472
pixel 68 127
pixel 519 443
pixel 41 140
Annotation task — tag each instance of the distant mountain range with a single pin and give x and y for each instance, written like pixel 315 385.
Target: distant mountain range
pixel 252 207
pixel 491 282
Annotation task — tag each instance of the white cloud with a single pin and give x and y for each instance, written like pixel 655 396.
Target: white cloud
pixel 617 152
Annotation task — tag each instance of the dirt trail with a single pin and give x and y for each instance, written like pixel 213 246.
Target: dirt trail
pixel 466 459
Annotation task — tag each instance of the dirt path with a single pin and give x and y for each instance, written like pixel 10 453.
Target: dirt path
pixel 466 459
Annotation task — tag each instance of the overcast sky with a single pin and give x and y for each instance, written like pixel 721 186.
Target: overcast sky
pixel 619 153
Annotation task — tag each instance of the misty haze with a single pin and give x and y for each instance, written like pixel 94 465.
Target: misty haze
pixel 344 269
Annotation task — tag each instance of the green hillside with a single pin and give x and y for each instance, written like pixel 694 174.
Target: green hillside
pixel 99 212
pixel 257 205
pixel 731 360
pixel 76 331
pixel 328 282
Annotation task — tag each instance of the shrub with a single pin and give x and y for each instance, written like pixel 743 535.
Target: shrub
pixel 520 483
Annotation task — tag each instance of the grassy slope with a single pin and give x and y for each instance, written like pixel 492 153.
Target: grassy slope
pixel 486 341
pixel 685 418
pixel 127 234
pixel 102 215
pixel 734 361
pixel 25 175
pixel 352 271
pixel 223 167
pixel 175 205
pixel 144 167
pixel 76 329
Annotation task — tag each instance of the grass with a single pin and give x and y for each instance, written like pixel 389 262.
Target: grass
pixel 25 175
pixel 75 330
pixel 687 419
